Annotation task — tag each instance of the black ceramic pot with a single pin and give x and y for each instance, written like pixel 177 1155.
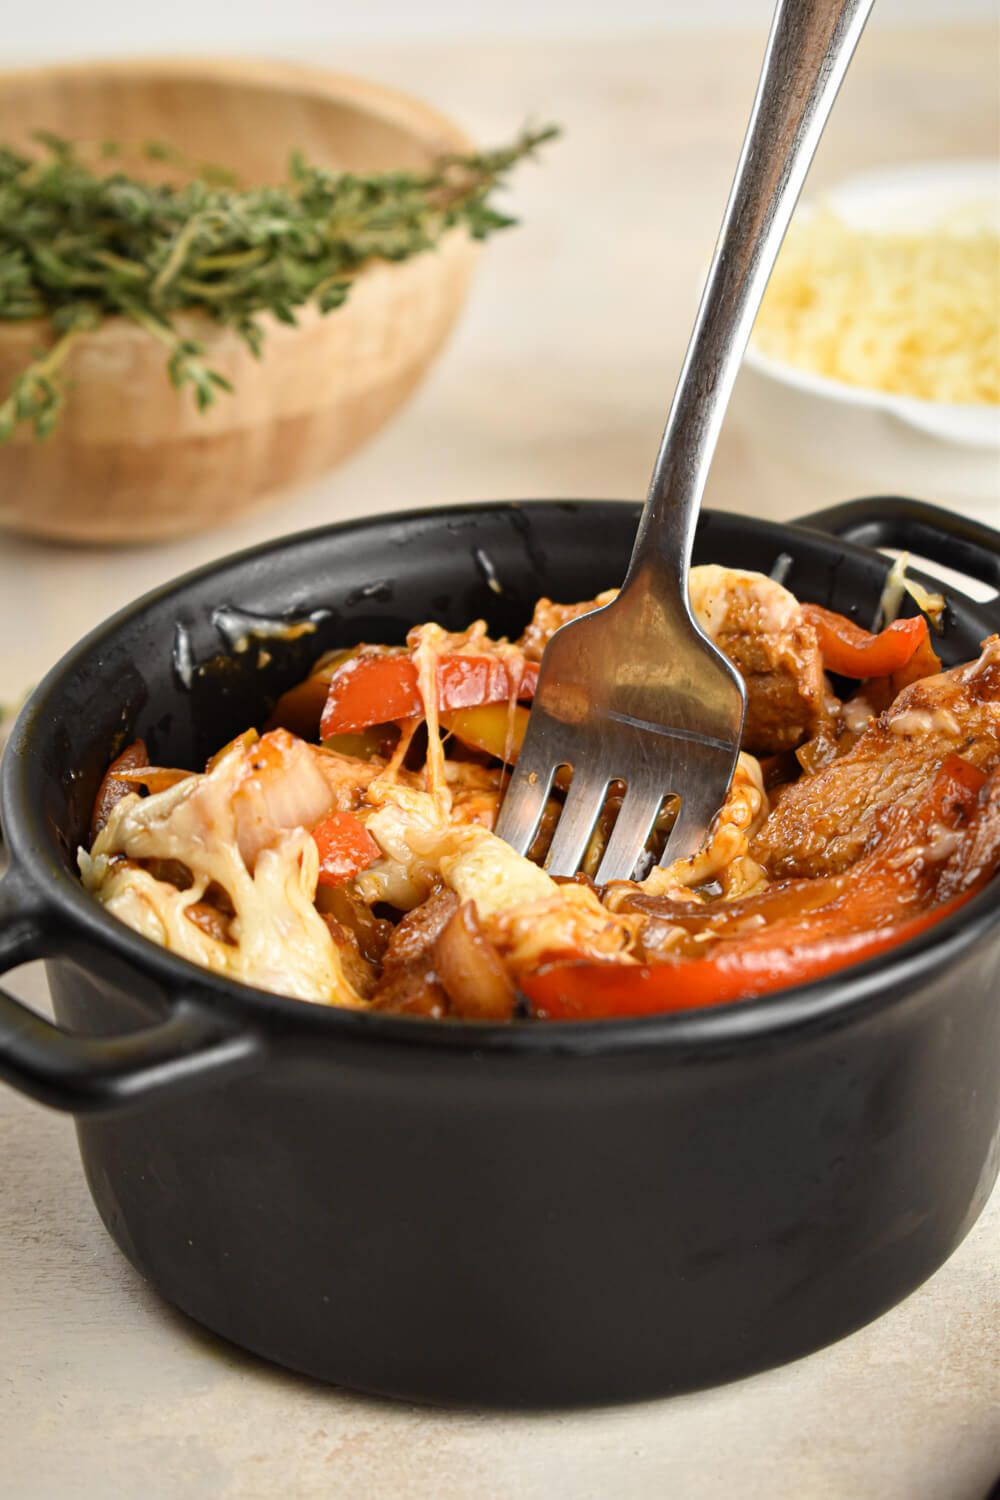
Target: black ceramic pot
pixel 521 1215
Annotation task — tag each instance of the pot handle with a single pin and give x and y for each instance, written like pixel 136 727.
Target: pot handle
pixel 94 1075
pixel 940 535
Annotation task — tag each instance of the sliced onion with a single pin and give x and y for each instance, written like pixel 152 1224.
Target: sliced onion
pixel 471 970
pixel 283 789
pixel 113 785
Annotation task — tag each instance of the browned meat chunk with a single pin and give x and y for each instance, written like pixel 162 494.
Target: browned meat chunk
pixel 822 824
pixel 759 626
pixel 409 982
pixel 786 688
pixel 548 617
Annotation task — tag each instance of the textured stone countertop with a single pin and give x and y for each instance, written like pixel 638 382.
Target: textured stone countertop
pixel 555 384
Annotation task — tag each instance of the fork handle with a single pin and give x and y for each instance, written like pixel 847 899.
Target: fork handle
pixel 808 51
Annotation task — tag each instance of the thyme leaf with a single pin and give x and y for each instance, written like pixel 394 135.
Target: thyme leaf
pixel 80 243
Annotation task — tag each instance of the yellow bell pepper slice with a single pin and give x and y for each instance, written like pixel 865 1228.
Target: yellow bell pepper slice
pixel 491 728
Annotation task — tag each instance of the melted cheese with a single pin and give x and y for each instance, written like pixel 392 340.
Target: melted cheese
pixel 857 714
pixel 714 591
pixel 280 941
pixel 725 856
pixel 429 643
pixel 571 924
pixel 418 845
pixel 490 873
pixel 524 910
pixel 925 721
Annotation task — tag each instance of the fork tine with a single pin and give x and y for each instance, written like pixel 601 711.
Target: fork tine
pixel 580 813
pixel 636 815
pixel 688 833
pixel 523 803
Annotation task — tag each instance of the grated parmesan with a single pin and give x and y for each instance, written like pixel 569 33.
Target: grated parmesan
pixel 913 314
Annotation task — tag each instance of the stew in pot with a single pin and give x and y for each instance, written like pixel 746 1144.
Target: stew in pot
pixel 343 853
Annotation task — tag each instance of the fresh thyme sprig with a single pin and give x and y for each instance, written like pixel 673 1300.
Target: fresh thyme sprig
pixel 78 245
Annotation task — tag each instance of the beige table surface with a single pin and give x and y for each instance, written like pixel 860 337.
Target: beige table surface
pixel 555 385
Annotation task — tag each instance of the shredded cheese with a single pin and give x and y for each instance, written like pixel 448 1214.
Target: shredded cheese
pixel 914 314
pixel 897 583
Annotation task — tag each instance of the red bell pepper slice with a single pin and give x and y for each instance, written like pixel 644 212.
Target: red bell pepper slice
pixel 587 992
pixel 791 950
pixel 379 689
pixel 345 848
pixel 852 652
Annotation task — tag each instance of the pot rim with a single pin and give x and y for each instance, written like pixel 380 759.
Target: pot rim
pixel 57 893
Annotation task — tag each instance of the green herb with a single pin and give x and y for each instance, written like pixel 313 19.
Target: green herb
pixel 78 245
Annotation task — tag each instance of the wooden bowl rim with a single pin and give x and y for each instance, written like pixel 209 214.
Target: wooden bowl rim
pixel 379 100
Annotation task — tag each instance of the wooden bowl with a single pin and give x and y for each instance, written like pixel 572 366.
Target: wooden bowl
pixel 131 459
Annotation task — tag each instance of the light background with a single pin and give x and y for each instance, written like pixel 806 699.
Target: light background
pixel 555 383
pixel 73 29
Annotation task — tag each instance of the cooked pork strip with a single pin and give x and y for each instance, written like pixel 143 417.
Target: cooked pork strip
pixel 824 823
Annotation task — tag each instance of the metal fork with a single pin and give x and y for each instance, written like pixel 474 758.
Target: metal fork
pixel 635 691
